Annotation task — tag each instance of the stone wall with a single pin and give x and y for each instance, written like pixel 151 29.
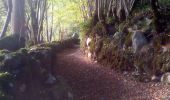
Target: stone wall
pixel 29 68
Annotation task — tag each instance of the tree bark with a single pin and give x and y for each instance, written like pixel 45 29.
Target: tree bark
pixel 18 17
pixel 7 19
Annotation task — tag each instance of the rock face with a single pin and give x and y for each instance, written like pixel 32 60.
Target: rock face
pixel 166 62
pixel 166 78
pixel 138 41
pixel 43 55
pixel 31 69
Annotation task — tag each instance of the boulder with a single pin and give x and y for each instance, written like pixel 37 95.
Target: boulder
pixel 43 55
pixel 138 41
pixel 12 42
pixel 166 78
pixel 14 62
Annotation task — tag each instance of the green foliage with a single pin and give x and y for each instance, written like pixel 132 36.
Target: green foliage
pixel 141 7
pixel 164 2
pixel 2 54
pixel 99 29
pixel 85 30
pixel 5 78
pixel 67 16
pixel 128 40
pixel 86 26
pixel 110 20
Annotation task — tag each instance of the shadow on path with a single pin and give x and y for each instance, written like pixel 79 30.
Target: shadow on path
pixel 91 81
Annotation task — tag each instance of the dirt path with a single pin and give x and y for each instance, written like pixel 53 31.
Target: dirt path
pixel 90 81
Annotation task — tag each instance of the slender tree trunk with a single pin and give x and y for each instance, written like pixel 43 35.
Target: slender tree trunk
pixel 34 20
pixel 44 7
pixel 47 30
pixel 7 19
pixel 52 21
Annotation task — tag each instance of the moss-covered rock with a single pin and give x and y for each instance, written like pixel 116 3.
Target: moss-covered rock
pixel 12 42
pixel 5 79
pixel 27 65
pixel 165 57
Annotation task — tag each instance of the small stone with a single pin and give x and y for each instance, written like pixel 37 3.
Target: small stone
pixel 89 55
pixel 70 96
pixel 118 35
pixel 7 57
pixel 155 78
pixel 136 73
pixel 166 98
pixel 22 88
pixel 95 61
pixel 51 79
pixel 164 49
pixel 11 85
pixel 148 21
pixel 146 80
pixel 125 73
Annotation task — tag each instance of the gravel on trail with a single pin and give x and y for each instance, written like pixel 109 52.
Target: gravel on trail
pixel 91 81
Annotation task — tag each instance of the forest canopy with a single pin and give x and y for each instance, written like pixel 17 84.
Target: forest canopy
pixel 55 16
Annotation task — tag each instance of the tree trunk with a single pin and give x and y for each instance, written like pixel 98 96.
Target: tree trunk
pixel 18 17
pixel 7 19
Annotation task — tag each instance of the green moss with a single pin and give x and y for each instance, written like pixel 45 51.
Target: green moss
pixel 165 60
pixel 30 43
pixel 5 79
pixel 2 54
pixel 23 51
pixel 92 45
pixel 110 20
pixel 99 29
pixel 128 40
pixel 86 28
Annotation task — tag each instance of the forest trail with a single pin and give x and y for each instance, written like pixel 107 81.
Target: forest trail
pixel 91 81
